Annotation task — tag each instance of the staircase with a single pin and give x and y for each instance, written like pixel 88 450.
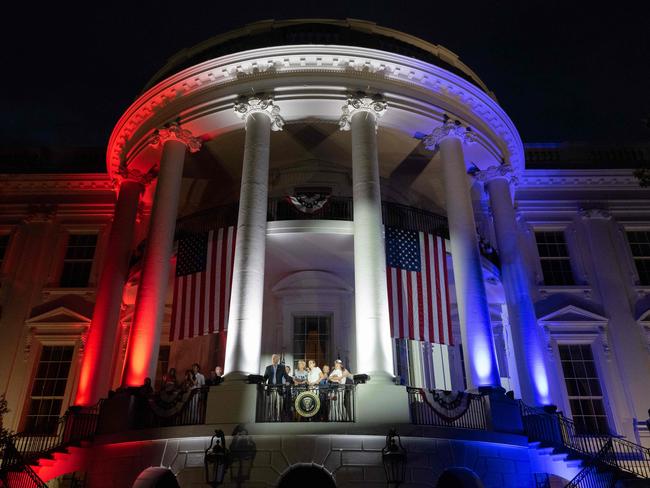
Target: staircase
pixel 605 460
pixel 26 455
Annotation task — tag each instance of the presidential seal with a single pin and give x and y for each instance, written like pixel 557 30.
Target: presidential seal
pixel 307 404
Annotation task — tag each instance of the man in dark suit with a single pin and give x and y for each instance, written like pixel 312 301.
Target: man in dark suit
pixel 276 372
pixel 275 376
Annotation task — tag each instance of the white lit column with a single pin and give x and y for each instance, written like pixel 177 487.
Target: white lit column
pixel 372 327
pixel 527 341
pixel 473 311
pixel 243 345
pixel 144 339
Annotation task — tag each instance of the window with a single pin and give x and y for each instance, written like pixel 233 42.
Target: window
pixel 311 339
pixel 48 389
pixel 422 364
pixel 583 388
pixel 78 260
pixel 4 245
pixel 554 258
pixel 163 365
pixel 640 246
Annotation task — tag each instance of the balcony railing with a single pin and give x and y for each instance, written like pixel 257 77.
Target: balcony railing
pixel 181 408
pixel 286 403
pixel 459 410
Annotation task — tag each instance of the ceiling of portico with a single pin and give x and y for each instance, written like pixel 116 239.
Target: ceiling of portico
pixel 410 174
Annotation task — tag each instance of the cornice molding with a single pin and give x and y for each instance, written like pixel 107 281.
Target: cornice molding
pixel 361 65
pixel 21 184
pixel 578 178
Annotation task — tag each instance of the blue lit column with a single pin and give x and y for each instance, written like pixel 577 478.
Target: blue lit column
pixel 527 341
pixel 473 311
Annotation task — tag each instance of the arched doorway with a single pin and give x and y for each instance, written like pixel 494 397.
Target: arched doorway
pixel 156 478
pixel 314 476
pixel 459 478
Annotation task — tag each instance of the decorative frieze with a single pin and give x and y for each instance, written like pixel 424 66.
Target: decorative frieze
pixel 174 132
pixel 362 102
pixel 594 213
pixel 449 128
pixel 246 106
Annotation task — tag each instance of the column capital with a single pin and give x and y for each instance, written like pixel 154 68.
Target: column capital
pixel 594 213
pixel 174 132
pixel 362 102
pixel 449 128
pixel 503 171
pixel 124 173
pixel 246 106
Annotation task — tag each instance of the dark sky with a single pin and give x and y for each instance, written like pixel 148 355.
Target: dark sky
pixel 563 73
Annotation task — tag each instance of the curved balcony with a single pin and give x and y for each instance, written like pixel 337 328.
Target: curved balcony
pixel 336 208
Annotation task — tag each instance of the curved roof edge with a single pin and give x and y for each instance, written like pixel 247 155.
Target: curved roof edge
pixel 353 32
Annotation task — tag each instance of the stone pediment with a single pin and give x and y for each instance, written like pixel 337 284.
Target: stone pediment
pixel 571 314
pixel 69 309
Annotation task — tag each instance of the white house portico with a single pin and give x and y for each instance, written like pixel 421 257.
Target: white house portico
pixel 345 197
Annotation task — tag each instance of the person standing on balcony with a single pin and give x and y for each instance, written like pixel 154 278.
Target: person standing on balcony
pixel 199 379
pixel 275 373
pixel 314 375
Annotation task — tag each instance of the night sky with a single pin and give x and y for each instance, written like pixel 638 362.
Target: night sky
pixel 578 73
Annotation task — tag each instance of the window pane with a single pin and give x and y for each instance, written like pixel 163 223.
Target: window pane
pixel 78 260
pixel 48 388
pixel 583 389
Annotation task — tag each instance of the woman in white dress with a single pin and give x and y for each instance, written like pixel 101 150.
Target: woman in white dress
pixel 314 375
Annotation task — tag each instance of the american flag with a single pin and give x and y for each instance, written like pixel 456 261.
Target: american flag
pixel 418 294
pixel 202 284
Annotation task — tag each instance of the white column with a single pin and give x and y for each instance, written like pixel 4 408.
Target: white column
pixel 529 345
pixel 473 311
pixel 372 327
pixel 243 345
pixel 144 339
pixel 626 336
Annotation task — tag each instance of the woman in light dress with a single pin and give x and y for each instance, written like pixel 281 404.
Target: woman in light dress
pixel 315 374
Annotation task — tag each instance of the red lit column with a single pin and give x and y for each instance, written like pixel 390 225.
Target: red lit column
pixel 95 374
pixel 144 339
pixel 471 297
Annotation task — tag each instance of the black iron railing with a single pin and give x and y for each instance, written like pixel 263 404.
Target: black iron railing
pixel 554 429
pixel 448 409
pixel 188 409
pixel 78 424
pixel 282 403
pixel 594 474
pixel 17 474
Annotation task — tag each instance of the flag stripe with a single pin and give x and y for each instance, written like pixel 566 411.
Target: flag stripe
pixel 418 293
pixel 202 297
